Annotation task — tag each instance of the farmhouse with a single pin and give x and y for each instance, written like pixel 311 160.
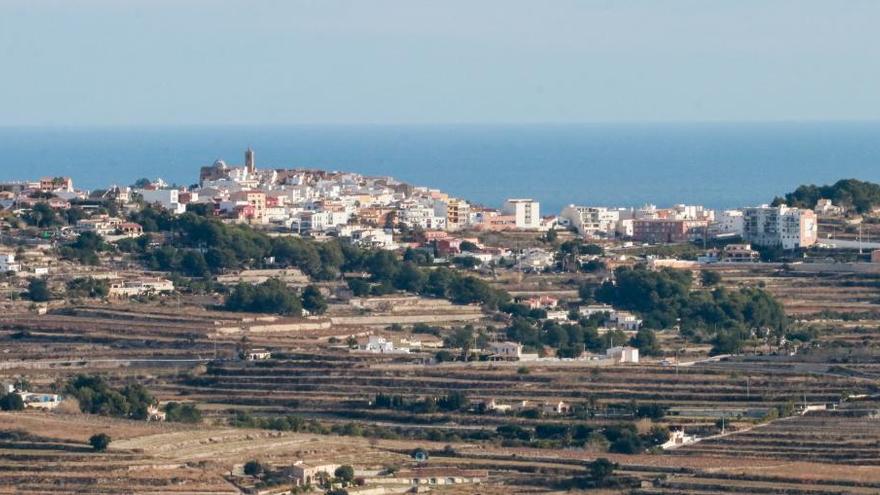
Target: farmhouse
pixel 441 476
pixel 678 438
pixel 40 401
pixel 141 286
pixel 380 345
pixel 257 355
pixel 509 351
pixel 304 474
pixel 558 407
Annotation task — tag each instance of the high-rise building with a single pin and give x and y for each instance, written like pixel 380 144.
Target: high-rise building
pixel 249 162
pixel 782 226
pixel 527 212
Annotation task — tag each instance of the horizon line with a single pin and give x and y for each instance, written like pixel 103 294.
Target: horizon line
pixel 439 124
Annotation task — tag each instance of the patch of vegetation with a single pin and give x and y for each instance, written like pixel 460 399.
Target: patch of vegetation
pixel 852 193
pixel 95 396
pixel 228 247
pixel 272 296
pixel 665 298
pixel 87 287
pixel 183 413
pixel 85 249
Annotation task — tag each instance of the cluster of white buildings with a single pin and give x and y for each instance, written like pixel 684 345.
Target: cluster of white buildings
pixel 338 203
pixel 762 225
pixel 364 208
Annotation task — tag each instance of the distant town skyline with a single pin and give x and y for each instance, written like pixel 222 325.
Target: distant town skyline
pixel 162 62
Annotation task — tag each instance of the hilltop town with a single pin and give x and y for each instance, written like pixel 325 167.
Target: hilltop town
pixel 270 330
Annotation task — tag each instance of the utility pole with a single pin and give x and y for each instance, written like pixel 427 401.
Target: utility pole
pixel 748 388
pixel 860 238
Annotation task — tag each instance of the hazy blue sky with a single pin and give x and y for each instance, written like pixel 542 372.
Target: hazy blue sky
pixel 70 62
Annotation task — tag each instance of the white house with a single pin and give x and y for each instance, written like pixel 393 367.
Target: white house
pixel 678 438
pixel 381 345
pixel 40 401
pixel 558 407
pixel 257 355
pixel 510 351
pixel 623 354
pixel 166 198
pixel 728 223
pixel 8 263
pixel 591 220
pixel 825 207
pixel 592 309
pixel 137 287
pixel 535 259
pixel 624 320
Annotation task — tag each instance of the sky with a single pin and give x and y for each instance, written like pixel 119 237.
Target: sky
pixel 253 62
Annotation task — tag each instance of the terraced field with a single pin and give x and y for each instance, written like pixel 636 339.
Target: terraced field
pixel 849 435
pixel 42 454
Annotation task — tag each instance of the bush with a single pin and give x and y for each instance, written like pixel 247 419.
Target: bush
pixel 183 413
pixel 646 342
pixel 344 473
pixel 100 442
pixel 708 278
pixel 87 287
pixel 359 287
pixel 601 469
pixel 38 290
pixel 253 468
pixel 11 402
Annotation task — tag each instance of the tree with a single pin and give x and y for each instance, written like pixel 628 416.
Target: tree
pixel 344 473
pixel 645 340
pixel 11 402
pixel 85 248
pixel 601 469
pixel 466 262
pixel 709 278
pixel 141 183
pixel 38 290
pixel 193 264
pixel 100 442
pixel 42 215
pixel 253 468
pixel 410 278
pixel 313 301
pixel 359 287
pixel 87 287
pixel 468 247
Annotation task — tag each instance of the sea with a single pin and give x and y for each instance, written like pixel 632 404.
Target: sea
pixel 719 165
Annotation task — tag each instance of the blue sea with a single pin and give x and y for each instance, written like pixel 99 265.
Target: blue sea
pixel 718 165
